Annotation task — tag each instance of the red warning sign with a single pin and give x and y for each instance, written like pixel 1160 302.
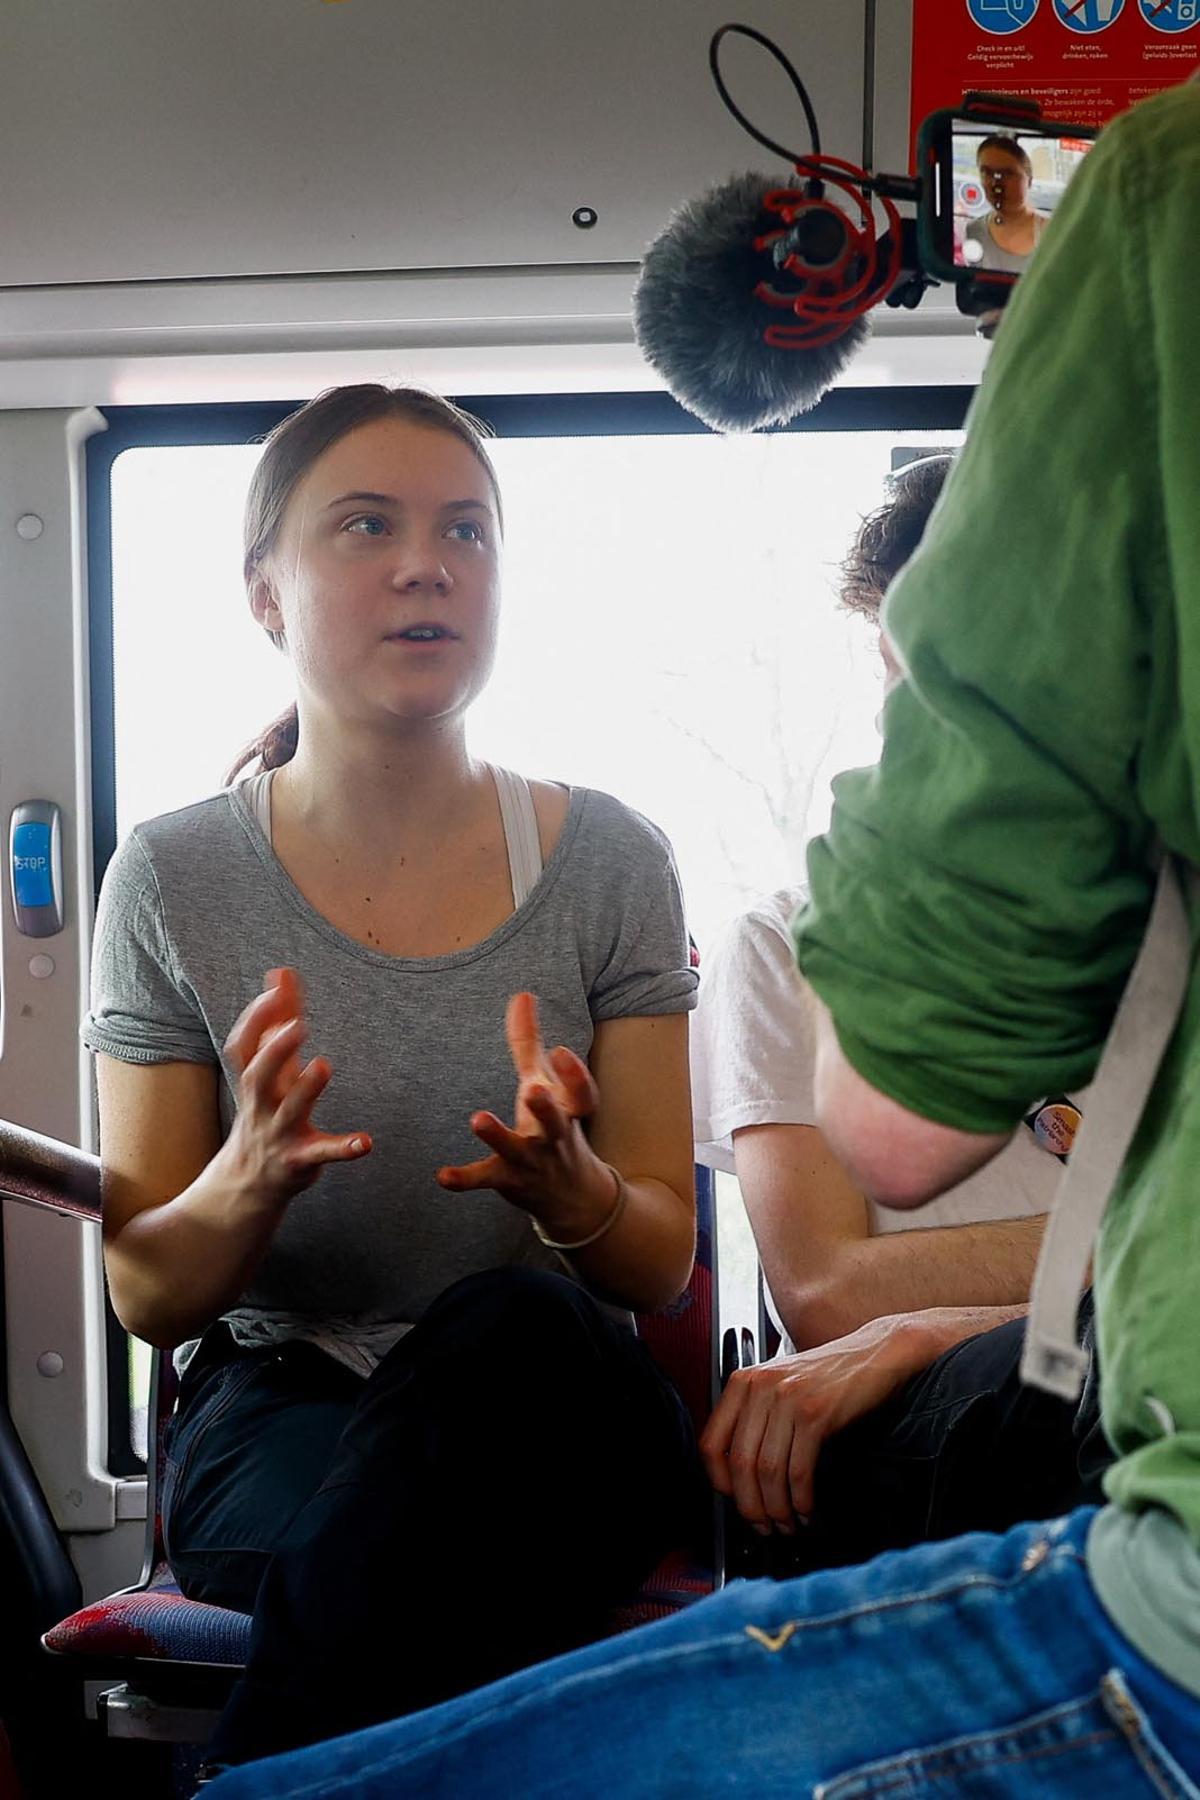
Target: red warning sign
pixel 1082 60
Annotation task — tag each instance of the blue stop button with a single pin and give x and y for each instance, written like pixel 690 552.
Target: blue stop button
pixel 32 883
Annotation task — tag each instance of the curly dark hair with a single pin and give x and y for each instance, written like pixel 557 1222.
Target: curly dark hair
pixel 888 537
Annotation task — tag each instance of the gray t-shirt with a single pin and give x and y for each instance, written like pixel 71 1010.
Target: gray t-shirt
pixel 989 254
pixel 195 908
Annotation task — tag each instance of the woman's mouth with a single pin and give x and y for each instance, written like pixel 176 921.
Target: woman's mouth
pixel 422 634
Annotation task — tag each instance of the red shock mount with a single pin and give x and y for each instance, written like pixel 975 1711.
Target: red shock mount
pixel 826 305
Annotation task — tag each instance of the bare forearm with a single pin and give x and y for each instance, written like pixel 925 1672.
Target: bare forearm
pixel 938 1328
pixel 645 1260
pixel 174 1268
pixel 904 1344
pixel 902 1272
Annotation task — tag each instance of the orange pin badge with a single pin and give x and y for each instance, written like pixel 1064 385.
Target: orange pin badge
pixel 1054 1124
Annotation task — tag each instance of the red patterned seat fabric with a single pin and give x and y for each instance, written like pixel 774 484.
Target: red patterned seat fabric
pixel 155 1621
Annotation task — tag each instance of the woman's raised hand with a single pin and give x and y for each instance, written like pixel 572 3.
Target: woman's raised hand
pixel 275 1149
pixel 544 1162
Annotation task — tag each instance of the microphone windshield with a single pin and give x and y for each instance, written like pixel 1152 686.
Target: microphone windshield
pixel 700 324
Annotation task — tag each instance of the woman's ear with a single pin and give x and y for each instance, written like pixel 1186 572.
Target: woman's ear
pixel 264 605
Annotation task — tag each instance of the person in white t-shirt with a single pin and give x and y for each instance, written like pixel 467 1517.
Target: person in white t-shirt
pixel 871 1422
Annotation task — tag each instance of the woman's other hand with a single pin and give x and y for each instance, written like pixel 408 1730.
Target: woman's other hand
pixel 544 1163
pixel 274 1148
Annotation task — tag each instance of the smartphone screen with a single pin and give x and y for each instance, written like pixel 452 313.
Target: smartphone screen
pixel 1005 185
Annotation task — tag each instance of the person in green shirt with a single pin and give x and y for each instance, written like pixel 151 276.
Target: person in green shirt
pixel 979 901
pixel 976 909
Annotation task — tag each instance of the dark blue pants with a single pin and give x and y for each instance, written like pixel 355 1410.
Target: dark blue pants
pixel 963 1446
pixel 514 1468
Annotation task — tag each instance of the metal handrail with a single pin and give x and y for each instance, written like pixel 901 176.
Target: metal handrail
pixel 40 1171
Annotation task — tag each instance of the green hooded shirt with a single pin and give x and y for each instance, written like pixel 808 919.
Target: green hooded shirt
pixel 981 896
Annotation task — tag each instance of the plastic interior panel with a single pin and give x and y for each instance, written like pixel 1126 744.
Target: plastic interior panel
pixel 152 139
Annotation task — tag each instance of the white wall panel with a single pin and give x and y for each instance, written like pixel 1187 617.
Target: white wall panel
pixel 152 139
pixel 53 1292
pixel 173 231
pixel 891 75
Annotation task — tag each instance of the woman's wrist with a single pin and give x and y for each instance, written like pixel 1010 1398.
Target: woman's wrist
pixel 246 1195
pixel 585 1224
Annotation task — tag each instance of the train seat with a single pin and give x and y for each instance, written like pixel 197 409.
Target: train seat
pixel 173 1660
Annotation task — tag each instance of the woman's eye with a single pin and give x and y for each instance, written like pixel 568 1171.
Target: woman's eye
pixel 366 519
pixel 473 530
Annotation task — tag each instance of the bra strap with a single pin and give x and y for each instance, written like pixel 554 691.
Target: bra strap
pixel 257 789
pixel 520 833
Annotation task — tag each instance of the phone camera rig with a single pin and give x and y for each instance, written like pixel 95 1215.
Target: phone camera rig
pixel 832 261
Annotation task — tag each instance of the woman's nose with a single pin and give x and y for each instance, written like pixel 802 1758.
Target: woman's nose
pixel 420 566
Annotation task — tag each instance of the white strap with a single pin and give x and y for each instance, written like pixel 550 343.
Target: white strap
pixel 1141 1031
pixel 520 833
pixel 258 790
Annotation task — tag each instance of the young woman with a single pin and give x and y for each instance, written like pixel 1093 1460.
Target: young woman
pixel 409 1383
pixel 1006 237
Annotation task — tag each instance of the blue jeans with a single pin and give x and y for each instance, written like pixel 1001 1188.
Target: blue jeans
pixel 969 1670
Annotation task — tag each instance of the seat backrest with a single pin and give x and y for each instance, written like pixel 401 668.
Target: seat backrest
pixel 681 1337
pixel 769 1340
pixel 164 1390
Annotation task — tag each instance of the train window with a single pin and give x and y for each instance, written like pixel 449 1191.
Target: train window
pixel 670 627
pixel 670 632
